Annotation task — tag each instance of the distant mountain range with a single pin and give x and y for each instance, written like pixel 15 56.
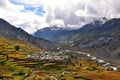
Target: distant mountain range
pixel 52 33
pixel 9 31
pixel 100 39
pixel 97 38
pixel 62 34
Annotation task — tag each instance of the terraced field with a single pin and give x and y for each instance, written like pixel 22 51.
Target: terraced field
pixel 15 64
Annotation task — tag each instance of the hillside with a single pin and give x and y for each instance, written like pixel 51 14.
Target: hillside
pixel 8 45
pixel 9 31
pixel 12 50
pixel 52 33
pixel 100 39
pixel 27 63
pixel 20 60
pixel 62 35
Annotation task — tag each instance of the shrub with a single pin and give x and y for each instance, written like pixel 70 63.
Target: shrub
pixel 19 73
pixel 2 63
pixel 1 76
pixel 17 47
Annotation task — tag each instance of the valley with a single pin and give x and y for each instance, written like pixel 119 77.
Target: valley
pixel 97 38
pixel 52 65
pixel 82 55
pixel 59 39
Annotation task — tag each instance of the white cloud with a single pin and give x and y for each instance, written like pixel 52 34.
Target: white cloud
pixel 28 20
pixel 57 22
pixel 69 13
pixel 5 4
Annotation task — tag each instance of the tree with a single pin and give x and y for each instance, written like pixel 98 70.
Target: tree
pixel 7 57
pixel 17 47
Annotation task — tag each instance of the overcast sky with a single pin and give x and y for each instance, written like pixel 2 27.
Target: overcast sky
pixel 32 15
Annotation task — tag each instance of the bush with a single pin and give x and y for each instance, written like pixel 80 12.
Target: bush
pixel 1 76
pixel 17 47
pixel 2 63
pixel 19 73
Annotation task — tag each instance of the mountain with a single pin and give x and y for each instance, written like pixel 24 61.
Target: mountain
pixel 102 40
pixel 23 61
pixel 9 31
pixel 94 33
pixel 97 38
pixel 61 34
pixel 52 33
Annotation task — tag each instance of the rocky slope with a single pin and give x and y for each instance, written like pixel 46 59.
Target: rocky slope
pixel 9 31
pixel 52 33
pixel 100 39
pixel 63 35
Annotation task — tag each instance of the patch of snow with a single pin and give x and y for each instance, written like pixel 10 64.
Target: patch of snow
pixel 114 68
pixel 100 61
pixel 88 55
pixel 106 64
pixel 93 58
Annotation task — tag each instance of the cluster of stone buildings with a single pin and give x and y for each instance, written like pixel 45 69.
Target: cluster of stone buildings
pixel 49 55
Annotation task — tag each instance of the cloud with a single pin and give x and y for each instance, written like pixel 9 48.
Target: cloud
pixel 5 4
pixel 19 16
pixel 32 15
pixel 57 22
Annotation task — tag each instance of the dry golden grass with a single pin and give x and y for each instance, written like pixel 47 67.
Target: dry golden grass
pixel 8 45
pixel 17 55
pixel 81 70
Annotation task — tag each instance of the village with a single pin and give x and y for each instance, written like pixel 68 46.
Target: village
pixel 49 55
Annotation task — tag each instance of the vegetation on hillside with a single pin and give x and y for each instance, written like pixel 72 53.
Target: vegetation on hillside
pixel 15 65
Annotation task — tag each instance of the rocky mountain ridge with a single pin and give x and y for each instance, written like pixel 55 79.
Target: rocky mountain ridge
pixel 9 31
pixel 99 39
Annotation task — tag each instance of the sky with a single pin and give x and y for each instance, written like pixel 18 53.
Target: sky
pixel 32 15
